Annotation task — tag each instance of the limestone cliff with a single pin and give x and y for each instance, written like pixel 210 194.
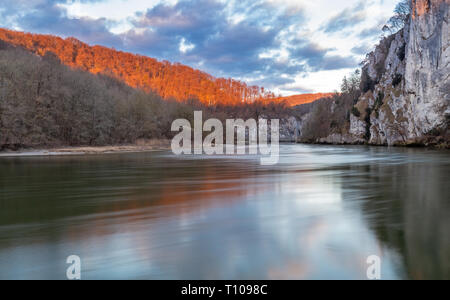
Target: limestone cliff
pixel 405 83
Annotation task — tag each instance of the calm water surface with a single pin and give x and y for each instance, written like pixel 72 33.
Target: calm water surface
pixel 318 214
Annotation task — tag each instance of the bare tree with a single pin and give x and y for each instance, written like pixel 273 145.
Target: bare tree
pixel 402 13
pixel 351 84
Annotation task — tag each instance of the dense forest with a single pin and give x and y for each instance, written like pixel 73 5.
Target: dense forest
pixel 46 103
pixel 169 80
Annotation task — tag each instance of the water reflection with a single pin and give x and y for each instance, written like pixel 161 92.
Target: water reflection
pixel 409 210
pixel 317 215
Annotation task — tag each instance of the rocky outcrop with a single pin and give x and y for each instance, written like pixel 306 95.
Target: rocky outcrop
pixel 406 83
pixel 289 130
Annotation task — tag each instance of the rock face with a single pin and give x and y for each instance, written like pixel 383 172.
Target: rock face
pixel 289 130
pixel 406 83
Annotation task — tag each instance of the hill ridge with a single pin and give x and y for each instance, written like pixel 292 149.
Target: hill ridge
pixel 169 80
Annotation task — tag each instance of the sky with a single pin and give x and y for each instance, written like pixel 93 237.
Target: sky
pixel 287 46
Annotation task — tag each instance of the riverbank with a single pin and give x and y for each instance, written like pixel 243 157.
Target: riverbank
pixel 336 141
pixel 90 150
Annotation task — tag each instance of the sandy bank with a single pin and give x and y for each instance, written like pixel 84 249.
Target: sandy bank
pixel 87 150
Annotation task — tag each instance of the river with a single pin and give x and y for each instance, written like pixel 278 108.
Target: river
pixel 318 214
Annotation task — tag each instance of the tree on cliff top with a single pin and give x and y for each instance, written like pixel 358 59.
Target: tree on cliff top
pixel 352 83
pixel 401 14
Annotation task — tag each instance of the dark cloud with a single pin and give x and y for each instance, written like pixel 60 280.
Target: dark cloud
pixel 347 18
pixel 318 58
pixel 226 47
pixel 337 62
pixel 191 19
pixel 45 16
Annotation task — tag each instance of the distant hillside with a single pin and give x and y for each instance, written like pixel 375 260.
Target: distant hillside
pixel 304 98
pixel 44 103
pixel 169 80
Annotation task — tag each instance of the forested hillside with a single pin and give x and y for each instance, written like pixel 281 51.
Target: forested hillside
pixel 304 98
pixel 169 80
pixel 45 103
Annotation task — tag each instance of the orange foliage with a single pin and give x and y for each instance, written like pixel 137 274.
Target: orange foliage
pixel 169 80
pixel 304 98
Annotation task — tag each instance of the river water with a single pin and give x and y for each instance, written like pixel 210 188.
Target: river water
pixel 318 214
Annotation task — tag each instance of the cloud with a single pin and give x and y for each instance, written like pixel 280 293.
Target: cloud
pixel 227 44
pixel 222 41
pixel 361 49
pixel 272 82
pixel 371 32
pixel 47 16
pixel 298 89
pixel 318 58
pixel 254 40
pixel 346 19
